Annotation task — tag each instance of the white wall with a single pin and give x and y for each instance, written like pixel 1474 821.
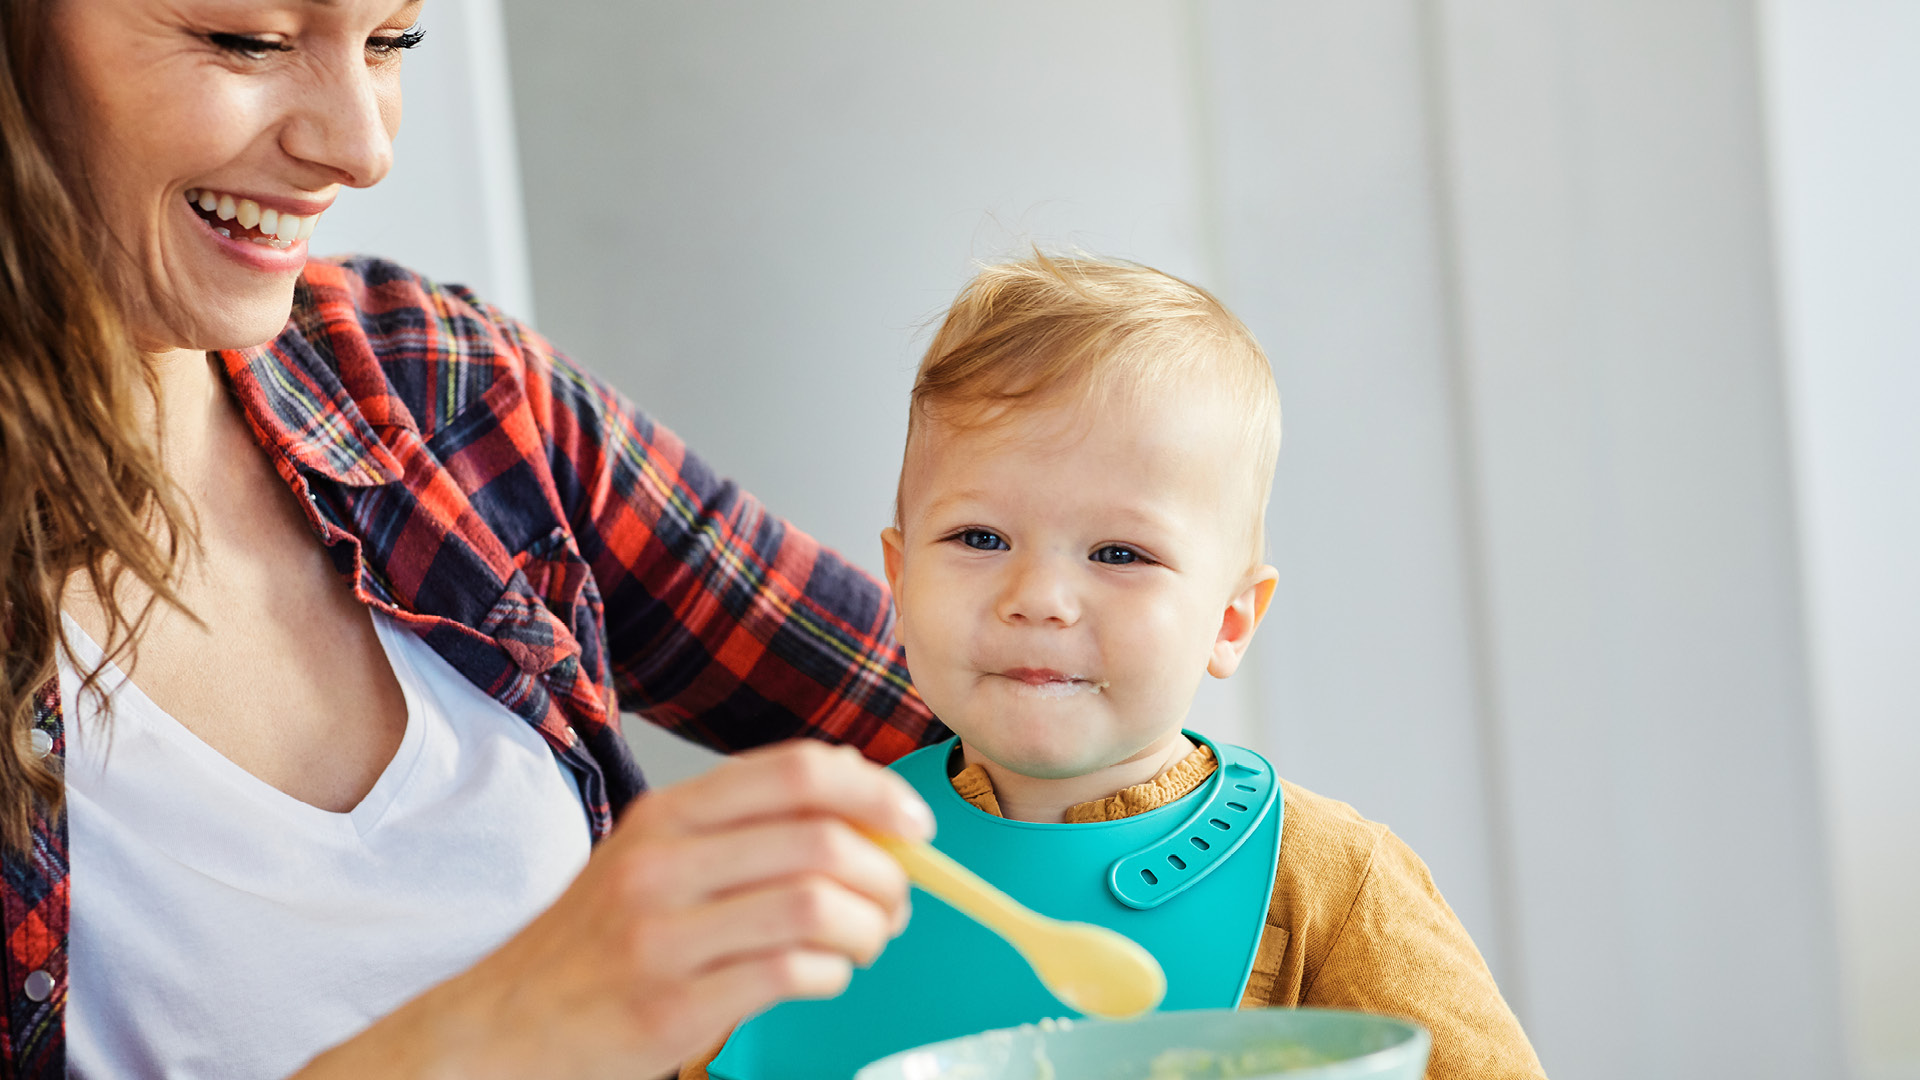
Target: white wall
pixel 1844 77
pixel 1605 164
pixel 1541 608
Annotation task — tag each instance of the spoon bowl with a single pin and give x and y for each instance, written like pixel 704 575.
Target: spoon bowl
pixel 1091 969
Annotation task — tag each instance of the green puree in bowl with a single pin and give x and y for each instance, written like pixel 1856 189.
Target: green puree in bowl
pixel 1199 1044
pixel 1257 1061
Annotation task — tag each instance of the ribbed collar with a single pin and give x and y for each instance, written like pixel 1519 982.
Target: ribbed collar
pixel 973 785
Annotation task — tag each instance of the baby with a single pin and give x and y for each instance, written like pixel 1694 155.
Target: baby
pixel 1077 543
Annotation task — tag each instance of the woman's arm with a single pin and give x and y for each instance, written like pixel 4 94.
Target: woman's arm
pixel 724 623
pixel 709 901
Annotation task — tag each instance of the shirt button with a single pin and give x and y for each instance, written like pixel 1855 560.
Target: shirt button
pixel 573 737
pixel 42 742
pixel 39 986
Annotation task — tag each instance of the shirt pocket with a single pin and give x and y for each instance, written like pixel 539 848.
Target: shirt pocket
pixel 560 577
pixel 1267 984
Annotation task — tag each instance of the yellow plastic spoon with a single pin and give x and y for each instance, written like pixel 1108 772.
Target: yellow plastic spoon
pixel 1091 968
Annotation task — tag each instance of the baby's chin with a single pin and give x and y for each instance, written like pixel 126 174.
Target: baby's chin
pixel 1043 768
pixel 1061 757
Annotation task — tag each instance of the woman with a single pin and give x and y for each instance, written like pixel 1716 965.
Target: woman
pixel 315 626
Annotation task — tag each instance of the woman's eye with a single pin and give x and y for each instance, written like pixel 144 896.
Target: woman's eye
pixel 393 43
pixel 1115 555
pixel 982 540
pixel 253 48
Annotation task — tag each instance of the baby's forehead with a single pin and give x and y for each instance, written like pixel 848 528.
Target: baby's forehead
pixel 1064 421
pixel 1106 455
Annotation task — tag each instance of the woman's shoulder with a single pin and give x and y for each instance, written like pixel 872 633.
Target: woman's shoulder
pixel 393 333
pixel 334 285
pixel 402 316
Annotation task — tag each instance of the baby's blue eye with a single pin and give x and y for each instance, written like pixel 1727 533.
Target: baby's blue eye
pixel 1115 555
pixel 982 540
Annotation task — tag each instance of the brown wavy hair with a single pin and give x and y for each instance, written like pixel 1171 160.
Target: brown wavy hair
pixel 82 490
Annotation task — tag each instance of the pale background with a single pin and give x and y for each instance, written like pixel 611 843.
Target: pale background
pixel 1598 510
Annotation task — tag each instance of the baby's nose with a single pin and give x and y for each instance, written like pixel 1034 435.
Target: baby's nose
pixel 1037 593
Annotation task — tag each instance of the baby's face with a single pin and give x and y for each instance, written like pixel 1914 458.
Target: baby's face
pixel 1065 579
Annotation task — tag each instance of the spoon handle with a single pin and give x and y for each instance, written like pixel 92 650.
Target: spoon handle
pixel 937 873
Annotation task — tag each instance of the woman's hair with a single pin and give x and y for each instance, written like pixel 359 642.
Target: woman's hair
pixel 1048 328
pixel 81 485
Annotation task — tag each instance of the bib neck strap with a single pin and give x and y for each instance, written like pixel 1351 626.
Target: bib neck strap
pixel 1234 800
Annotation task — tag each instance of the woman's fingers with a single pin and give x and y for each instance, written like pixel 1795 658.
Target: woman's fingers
pixel 804 916
pixel 713 1003
pixel 687 869
pixel 788 780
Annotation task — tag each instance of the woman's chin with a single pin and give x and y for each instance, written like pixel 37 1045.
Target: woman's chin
pixel 249 321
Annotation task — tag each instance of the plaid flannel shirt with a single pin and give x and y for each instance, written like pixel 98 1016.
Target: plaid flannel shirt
pixel 562 551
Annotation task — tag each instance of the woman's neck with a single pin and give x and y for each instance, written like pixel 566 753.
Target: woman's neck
pixel 1032 798
pixel 188 397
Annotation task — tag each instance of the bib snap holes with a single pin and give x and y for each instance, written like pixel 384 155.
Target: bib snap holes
pixel 1242 788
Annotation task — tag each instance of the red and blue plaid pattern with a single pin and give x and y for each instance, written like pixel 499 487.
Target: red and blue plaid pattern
pixel 557 547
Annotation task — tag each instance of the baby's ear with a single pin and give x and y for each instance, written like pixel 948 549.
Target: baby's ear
pixel 1240 620
pixel 892 552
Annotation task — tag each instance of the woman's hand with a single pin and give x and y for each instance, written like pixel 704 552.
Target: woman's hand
pixel 710 900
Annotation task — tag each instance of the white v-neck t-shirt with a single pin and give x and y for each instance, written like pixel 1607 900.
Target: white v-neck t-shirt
pixel 222 928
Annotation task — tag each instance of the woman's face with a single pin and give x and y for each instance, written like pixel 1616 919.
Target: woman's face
pixel 200 126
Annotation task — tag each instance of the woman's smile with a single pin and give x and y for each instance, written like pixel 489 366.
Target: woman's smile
pixel 267 234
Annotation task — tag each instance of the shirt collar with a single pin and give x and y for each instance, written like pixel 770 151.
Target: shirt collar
pixel 974 785
pixel 297 404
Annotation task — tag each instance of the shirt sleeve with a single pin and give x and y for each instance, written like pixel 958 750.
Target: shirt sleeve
pixel 1402 952
pixel 724 624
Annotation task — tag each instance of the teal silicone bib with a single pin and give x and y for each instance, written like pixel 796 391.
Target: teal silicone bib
pixel 1189 881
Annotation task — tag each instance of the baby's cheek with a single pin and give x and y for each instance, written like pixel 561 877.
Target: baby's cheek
pixel 1152 636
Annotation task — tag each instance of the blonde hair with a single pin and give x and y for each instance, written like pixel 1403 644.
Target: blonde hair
pixel 1047 328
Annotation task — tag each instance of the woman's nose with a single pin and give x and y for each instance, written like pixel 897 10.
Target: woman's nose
pixel 347 122
pixel 1037 591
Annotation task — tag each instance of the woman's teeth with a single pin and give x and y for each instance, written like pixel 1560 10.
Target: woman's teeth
pixel 274 228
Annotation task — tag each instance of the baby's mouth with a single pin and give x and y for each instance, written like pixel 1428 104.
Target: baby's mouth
pixel 244 219
pixel 1047 683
